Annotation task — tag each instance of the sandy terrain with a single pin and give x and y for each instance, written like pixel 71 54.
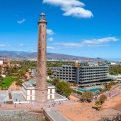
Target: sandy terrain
pixel 73 98
pixel 85 112
pixel 114 103
pixel 14 87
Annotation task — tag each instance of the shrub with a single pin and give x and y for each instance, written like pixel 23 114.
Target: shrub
pixel 87 96
pixel 102 98
pixel 2 88
pixel 97 103
pixel 74 91
pixel 9 102
pixel 79 92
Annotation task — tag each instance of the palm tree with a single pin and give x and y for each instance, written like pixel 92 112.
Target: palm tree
pixel 55 81
pixel 49 71
pixel 98 104
pixel 107 87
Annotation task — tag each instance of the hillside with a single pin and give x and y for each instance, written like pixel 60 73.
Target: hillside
pixel 19 55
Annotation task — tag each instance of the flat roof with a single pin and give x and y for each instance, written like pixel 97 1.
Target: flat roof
pixel 50 85
pixel 28 85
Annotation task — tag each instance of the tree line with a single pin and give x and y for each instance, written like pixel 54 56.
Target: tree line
pixel 114 70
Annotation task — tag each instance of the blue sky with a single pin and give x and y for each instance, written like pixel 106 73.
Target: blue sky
pixel 89 28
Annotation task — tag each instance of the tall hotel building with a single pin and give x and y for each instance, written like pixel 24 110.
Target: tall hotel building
pixel 86 74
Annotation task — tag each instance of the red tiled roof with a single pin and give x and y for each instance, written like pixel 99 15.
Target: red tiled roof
pixel 4 65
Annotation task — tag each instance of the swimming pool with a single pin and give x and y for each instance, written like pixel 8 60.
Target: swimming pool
pixel 91 90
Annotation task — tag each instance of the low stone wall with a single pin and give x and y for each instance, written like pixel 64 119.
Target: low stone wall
pixel 47 116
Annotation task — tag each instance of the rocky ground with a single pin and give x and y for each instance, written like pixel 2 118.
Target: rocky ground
pixel 20 115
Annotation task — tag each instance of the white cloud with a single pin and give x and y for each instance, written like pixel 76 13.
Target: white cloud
pixel 88 43
pixel 50 32
pixel 50 47
pixel 4 45
pixel 21 45
pixel 51 39
pixel 21 21
pixel 71 8
pixel 99 41
pixel 67 45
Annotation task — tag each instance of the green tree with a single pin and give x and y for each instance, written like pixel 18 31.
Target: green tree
pixel 98 104
pixel 63 88
pixel 1 80
pixel 87 96
pixel 18 82
pixel 101 90
pixel 112 83
pixel 55 81
pixel 107 87
pixel 115 70
pixel 50 72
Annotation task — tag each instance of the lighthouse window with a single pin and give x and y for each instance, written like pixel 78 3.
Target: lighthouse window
pixel 43 25
pixel 43 36
pixel 42 49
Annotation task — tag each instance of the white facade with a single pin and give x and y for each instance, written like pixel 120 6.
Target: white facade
pixel 115 77
pixel 28 92
pixel 113 63
pixel 51 93
pixel 1 61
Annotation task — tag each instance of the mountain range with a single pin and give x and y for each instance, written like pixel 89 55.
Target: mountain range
pixel 21 55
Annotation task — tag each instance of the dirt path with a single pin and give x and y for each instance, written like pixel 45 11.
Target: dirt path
pixel 14 87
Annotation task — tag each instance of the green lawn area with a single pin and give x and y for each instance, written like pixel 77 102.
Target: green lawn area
pixel 7 82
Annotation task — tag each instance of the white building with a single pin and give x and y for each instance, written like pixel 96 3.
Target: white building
pixel 115 77
pixel 1 62
pixel 28 91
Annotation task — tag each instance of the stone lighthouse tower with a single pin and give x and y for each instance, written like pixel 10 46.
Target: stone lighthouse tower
pixel 41 87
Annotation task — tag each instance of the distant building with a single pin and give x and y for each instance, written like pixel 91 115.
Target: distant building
pixel 4 64
pixel 112 63
pixel 83 74
pixel 115 77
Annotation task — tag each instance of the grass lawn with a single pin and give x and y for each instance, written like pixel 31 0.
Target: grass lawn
pixel 7 82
